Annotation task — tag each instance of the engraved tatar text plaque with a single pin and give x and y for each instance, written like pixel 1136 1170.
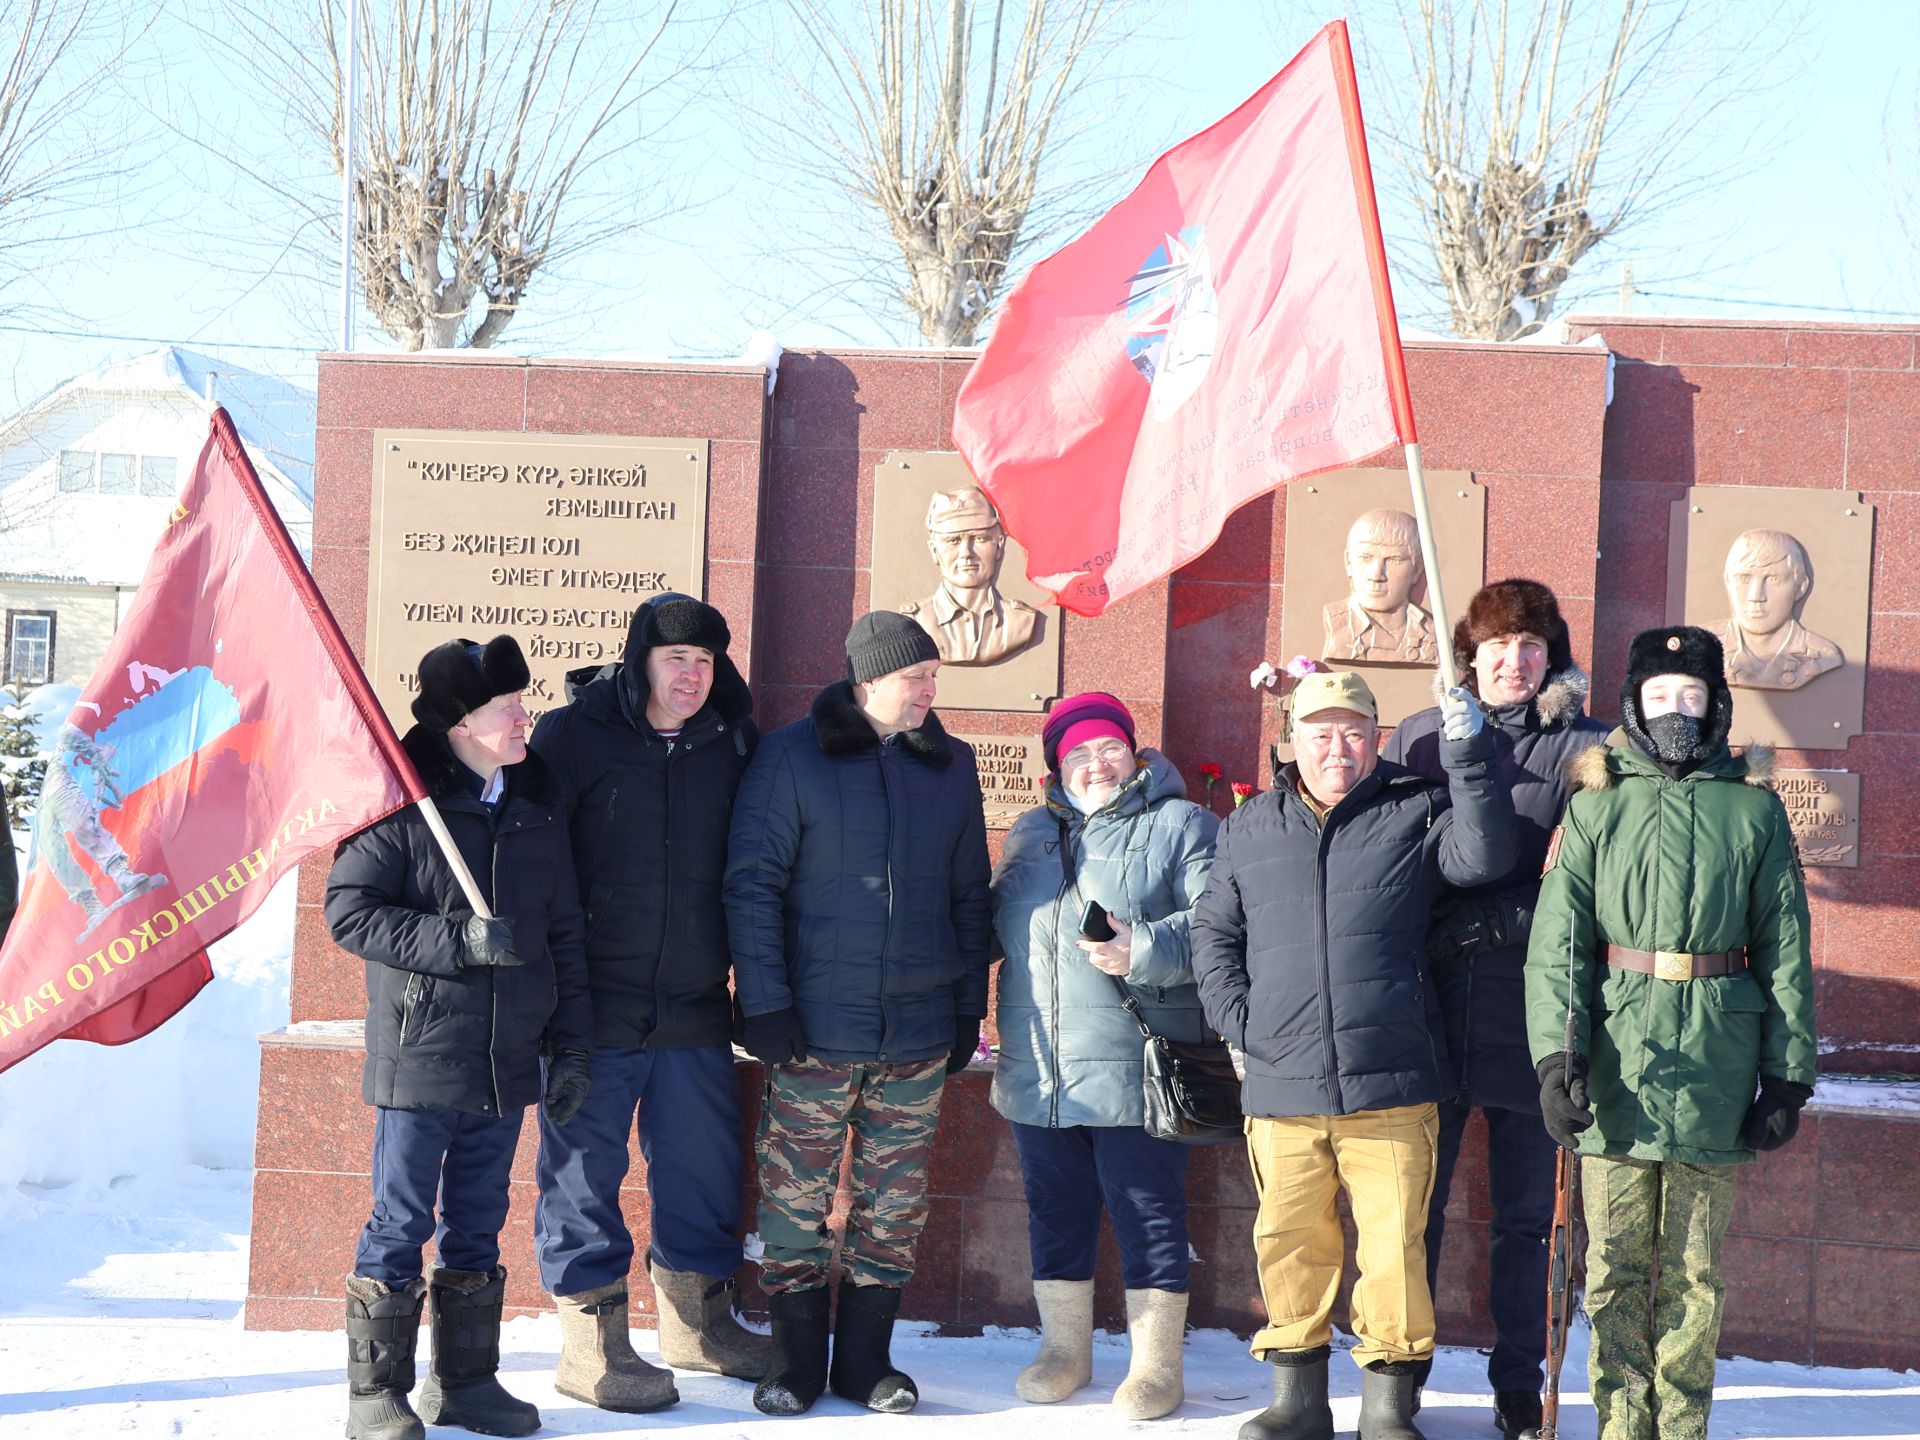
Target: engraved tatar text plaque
pixel 553 539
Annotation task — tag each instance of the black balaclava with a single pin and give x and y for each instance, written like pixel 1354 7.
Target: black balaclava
pixel 1677 743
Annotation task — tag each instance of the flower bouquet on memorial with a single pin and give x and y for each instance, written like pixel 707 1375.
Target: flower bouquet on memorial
pixel 1211 770
pixel 1281 683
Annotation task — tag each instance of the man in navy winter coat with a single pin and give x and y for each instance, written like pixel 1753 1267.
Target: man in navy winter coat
pixel 460 1009
pixel 646 757
pixel 1309 950
pixel 1515 655
pixel 858 910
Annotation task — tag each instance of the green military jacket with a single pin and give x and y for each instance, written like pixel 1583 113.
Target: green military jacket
pixel 1701 865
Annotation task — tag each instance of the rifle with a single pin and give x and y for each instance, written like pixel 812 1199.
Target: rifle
pixel 1566 1196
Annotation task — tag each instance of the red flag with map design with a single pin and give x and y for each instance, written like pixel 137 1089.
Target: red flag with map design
pixel 1224 329
pixel 227 734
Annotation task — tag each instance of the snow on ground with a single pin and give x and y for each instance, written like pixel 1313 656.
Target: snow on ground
pixel 121 1315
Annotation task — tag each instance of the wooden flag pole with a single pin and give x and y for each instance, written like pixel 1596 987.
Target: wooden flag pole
pixel 1430 559
pixel 431 814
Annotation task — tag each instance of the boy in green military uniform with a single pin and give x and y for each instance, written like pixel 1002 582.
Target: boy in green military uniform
pixel 1672 922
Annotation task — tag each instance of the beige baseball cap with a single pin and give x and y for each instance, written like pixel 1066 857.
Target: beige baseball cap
pixel 1335 690
pixel 967 508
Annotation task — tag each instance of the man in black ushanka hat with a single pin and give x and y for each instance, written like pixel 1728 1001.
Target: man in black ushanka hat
pixel 459 1010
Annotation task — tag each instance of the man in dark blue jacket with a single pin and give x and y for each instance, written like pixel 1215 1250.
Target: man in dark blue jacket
pixel 459 1012
pixel 1309 950
pixel 1515 655
pixel 858 909
pixel 647 757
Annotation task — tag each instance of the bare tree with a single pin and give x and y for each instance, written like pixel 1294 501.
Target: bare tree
pixel 1528 147
pixel 479 125
pixel 58 152
pixel 937 118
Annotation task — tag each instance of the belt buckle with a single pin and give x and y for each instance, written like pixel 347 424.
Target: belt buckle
pixel 1672 965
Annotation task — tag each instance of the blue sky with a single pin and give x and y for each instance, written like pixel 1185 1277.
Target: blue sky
pixel 1806 224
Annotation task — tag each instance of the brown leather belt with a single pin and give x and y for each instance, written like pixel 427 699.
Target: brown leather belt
pixel 1676 964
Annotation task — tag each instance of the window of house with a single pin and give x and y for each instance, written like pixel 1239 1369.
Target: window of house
pixel 30 646
pixel 157 476
pixel 119 474
pixel 76 470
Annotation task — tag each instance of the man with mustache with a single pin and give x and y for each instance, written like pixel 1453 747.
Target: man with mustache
pixel 1516 656
pixel 1309 947
pixel 648 755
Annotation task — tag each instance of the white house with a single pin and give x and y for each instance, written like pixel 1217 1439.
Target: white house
pixel 88 475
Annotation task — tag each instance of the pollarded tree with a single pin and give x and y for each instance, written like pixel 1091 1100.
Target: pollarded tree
pixel 937 118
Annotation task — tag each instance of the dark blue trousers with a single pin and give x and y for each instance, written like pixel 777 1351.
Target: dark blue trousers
pixel 419 1156
pixel 1520 1180
pixel 688 1108
pixel 1142 1181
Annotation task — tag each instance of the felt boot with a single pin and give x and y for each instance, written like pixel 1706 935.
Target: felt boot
pixel 1065 1361
pixel 462 1386
pixel 383 1330
pixel 1156 1372
pixel 698 1329
pixel 597 1363
pixel 797 1373
pixel 863 1369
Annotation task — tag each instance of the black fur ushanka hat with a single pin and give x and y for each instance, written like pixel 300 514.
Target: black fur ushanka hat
pixel 460 676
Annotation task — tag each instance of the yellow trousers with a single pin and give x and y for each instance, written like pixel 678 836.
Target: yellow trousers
pixel 1384 1160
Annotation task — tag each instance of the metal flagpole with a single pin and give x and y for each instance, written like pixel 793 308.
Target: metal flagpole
pixel 349 96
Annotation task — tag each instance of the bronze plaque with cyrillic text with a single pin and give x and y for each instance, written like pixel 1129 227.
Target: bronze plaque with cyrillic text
pixel 1823 807
pixel 1012 774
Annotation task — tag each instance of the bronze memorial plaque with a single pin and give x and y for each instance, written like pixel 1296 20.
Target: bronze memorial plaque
pixel 941 555
pixel 1356 593
pixel 1781 576
pixel 1012 774
pixel 1823 806
pixel 553 539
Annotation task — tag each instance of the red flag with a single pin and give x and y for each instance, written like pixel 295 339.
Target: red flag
pixel 1224 329
pixel 227 734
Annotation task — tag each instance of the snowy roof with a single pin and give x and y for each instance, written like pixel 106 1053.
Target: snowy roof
pixel 276 419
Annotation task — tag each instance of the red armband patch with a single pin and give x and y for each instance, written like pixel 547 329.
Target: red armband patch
pixel 1553 849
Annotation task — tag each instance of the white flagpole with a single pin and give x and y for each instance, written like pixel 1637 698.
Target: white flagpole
pixel 1430 558
pixel 347 103
pixel 431 814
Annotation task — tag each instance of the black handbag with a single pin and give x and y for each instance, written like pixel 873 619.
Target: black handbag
pixel 1189 1091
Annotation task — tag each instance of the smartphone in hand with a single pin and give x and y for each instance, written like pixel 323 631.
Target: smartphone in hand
pixel 1093 922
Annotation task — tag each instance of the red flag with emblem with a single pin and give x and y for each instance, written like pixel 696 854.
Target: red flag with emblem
pixel 1224 329
pixel 227 734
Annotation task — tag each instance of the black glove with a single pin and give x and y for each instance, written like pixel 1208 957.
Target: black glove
pixel 488 942
pixel 966 1040
pixel 1465 925
pixel 775 1038
pixel 568 1080
pixel 1563 1097
pixel 1774 1115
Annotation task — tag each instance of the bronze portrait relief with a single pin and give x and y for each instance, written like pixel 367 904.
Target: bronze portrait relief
pixel 1378 620
pixel 1769 577
pixel 969 617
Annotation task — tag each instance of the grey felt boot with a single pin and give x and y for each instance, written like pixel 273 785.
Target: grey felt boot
pixel 1065 1361
pixel 597 1363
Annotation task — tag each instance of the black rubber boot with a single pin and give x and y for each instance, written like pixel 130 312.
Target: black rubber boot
pixel 462 1375
pixel 798 1373
pixel 383 1329
pixel 862 1369
pixel 1387 1388
pixel 1300 1410
pixel 1516 1414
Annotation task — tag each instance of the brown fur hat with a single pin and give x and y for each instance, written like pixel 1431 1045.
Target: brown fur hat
pixel 1508 607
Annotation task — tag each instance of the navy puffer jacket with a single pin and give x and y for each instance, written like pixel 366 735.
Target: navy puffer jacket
pixel 1482 990
pixel 441 1035
pixel 1309 944
pixel 856 887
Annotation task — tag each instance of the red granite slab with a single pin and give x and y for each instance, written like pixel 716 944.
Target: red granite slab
pixel 1876 350
pixel 1769 1305
pixel 669 402
pixel 1883 413
pixel 1866 1306
pixel 342 487
pixel 472 391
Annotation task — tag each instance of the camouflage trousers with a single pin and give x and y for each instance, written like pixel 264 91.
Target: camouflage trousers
pixel 812 1109
pixel 1654 1293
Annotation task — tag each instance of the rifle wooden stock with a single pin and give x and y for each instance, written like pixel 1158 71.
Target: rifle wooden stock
pixel 1566 1191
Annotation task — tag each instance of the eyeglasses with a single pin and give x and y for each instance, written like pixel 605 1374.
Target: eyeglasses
pixel 1084 755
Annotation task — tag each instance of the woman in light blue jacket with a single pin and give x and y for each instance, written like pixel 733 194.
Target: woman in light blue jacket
pixel 1116 829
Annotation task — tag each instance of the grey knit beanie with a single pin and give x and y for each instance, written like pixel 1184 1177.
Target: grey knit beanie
pixel 884 641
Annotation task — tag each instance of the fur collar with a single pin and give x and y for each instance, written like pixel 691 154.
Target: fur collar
pixel 1590 770
pixel 1561 698
pixel 445 777
pixel 841 729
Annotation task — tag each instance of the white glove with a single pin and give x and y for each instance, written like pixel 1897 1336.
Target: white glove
pixel 1460 715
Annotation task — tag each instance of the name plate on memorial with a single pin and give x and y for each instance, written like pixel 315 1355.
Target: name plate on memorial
pixel 553 539
pixel 1012 771
pixel 1823 807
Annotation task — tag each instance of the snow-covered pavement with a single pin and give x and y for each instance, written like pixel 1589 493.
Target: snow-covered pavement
pixel 121 1315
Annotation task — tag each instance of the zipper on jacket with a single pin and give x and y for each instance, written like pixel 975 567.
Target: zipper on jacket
pixel 1326 965
pixel 1053 1037
pixel 886 942
pixel 408 1008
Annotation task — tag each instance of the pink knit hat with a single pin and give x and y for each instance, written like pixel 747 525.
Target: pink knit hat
pixel 1077 719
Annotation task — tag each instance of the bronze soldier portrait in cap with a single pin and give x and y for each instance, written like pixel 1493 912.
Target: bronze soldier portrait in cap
pixel 969 618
